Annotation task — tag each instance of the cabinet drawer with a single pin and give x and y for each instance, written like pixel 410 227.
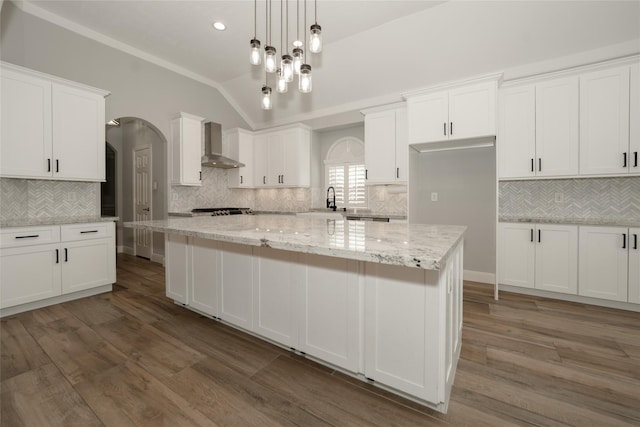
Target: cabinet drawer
pixel 16 237
pixel 95 230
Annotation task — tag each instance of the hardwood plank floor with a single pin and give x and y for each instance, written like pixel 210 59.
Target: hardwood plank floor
pixel 133 358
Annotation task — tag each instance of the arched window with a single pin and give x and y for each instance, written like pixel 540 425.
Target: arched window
pixel 344 171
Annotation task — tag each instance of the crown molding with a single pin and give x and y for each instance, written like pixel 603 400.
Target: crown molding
pixel 32 9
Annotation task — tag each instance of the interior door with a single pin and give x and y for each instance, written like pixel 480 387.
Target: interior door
pixel 142 199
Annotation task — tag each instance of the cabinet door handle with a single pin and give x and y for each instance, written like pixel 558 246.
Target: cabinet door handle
pixel 66 255
pixel 624 240
pixel 450 128
pixel 200 175
pixel 48 165
pixel 532 165
pixel 240 179
pixel 539 164
pixel 95 231
pixel 57 256
pixel 635 241
pixel 283 178
pixel 539 236
pixel 366 174
pixel 635 159
pixel 624 161
pixel 57 165
pixel 444 126
pixel 264 179
pixel 31 236
pixel 397 172
pixel 532 234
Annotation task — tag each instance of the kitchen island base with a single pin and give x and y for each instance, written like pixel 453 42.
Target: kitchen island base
pixel 398 326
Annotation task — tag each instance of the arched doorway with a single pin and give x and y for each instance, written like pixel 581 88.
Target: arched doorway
pixel 129 137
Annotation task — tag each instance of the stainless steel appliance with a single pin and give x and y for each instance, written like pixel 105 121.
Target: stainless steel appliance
pixel 224 211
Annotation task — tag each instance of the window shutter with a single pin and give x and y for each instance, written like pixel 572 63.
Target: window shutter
pixel 357 189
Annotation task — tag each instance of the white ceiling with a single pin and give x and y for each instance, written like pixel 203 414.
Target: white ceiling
pixel 374 49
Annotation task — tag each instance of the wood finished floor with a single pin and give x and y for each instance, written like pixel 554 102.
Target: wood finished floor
pixel 133 358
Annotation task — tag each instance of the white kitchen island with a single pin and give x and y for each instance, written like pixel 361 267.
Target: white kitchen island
pixel 380 301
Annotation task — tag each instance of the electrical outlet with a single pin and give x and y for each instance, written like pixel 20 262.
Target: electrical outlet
pixel 434 197
pixel 559 198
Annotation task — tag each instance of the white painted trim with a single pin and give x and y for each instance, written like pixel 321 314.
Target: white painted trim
pixel 133 189
pixel 32 9
pixel 387 107
pixel 479 276
pixel 10 311
pixel 128 250
pixel 572 298
pixel 495 77
pixel 119 249
pixel 157 258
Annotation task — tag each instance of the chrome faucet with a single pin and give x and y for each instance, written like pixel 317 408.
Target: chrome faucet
pixel 331 203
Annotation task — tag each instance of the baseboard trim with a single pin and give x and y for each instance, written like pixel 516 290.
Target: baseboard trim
pixel 479 276
pixel 571 298
pixel 126 250
pixel 157 258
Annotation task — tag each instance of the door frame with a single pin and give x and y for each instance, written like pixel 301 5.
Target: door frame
pixel 133 190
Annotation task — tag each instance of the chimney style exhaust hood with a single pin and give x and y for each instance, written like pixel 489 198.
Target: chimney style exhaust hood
pixel 213 149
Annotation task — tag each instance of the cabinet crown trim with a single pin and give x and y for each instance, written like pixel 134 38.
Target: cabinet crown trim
pixel 181 115
pixel 496 77
pixel 572 71
pixel 386 107
pixel 53 79
pixel 282 128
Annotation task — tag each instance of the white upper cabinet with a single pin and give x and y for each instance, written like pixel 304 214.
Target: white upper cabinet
pixel 557 139
pixel 51 128
pixel 538 130
pixel 386 148
pixel 516 142
pixel 78 134
pixel 459 113
pixel 238 145
pixel 186 143
pixel 604 122
pixel 282 158
pixel 634 113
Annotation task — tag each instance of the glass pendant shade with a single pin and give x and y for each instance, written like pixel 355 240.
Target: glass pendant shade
pixel 281 87
pixel 287 67
pixel 270 60
pixel 256 56
pixel 315 39
pixel 304 83
pixel 266 98
pixel 297 59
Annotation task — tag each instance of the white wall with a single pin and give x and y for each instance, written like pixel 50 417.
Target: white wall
pixel 465 181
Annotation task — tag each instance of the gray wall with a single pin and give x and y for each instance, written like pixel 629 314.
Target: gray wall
pixel 465 181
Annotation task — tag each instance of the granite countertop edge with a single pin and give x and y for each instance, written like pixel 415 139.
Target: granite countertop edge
pixel 611 222
pixel 429 248
pixel 60 220
pixel 358 214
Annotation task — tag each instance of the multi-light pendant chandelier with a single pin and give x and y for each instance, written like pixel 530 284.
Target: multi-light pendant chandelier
pixel 289 66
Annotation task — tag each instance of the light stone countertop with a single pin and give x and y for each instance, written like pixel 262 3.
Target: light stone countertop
pixel 411 245
pixel 58 220
pixel 605 222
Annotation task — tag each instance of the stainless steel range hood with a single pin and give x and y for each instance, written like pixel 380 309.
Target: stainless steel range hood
pixel 213 149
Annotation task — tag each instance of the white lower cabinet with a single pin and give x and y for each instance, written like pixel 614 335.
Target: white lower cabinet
pixel 274 295
pixel 205 276
pixel 540 256
pixel 41 263
pixel 236 285
pixel 403 349
pixel 604 262
pixel 634 265
pixel 30 273
pixel 330 307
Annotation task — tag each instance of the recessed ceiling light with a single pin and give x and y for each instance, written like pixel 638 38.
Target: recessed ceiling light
pixel 219 26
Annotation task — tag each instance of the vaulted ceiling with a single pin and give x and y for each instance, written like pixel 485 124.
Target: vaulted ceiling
pixel 374 50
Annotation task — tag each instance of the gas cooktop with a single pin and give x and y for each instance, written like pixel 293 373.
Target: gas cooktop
pixel 223 211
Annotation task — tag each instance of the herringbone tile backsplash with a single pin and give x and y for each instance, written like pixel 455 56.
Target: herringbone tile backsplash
pixel 25 198
pixel 586 198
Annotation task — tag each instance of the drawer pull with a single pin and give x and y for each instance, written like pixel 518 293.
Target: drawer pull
pixel 32 236
pixel 624 241
pixel 635 241
pixel 92 231
pixel 66 255
pixel 57 256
